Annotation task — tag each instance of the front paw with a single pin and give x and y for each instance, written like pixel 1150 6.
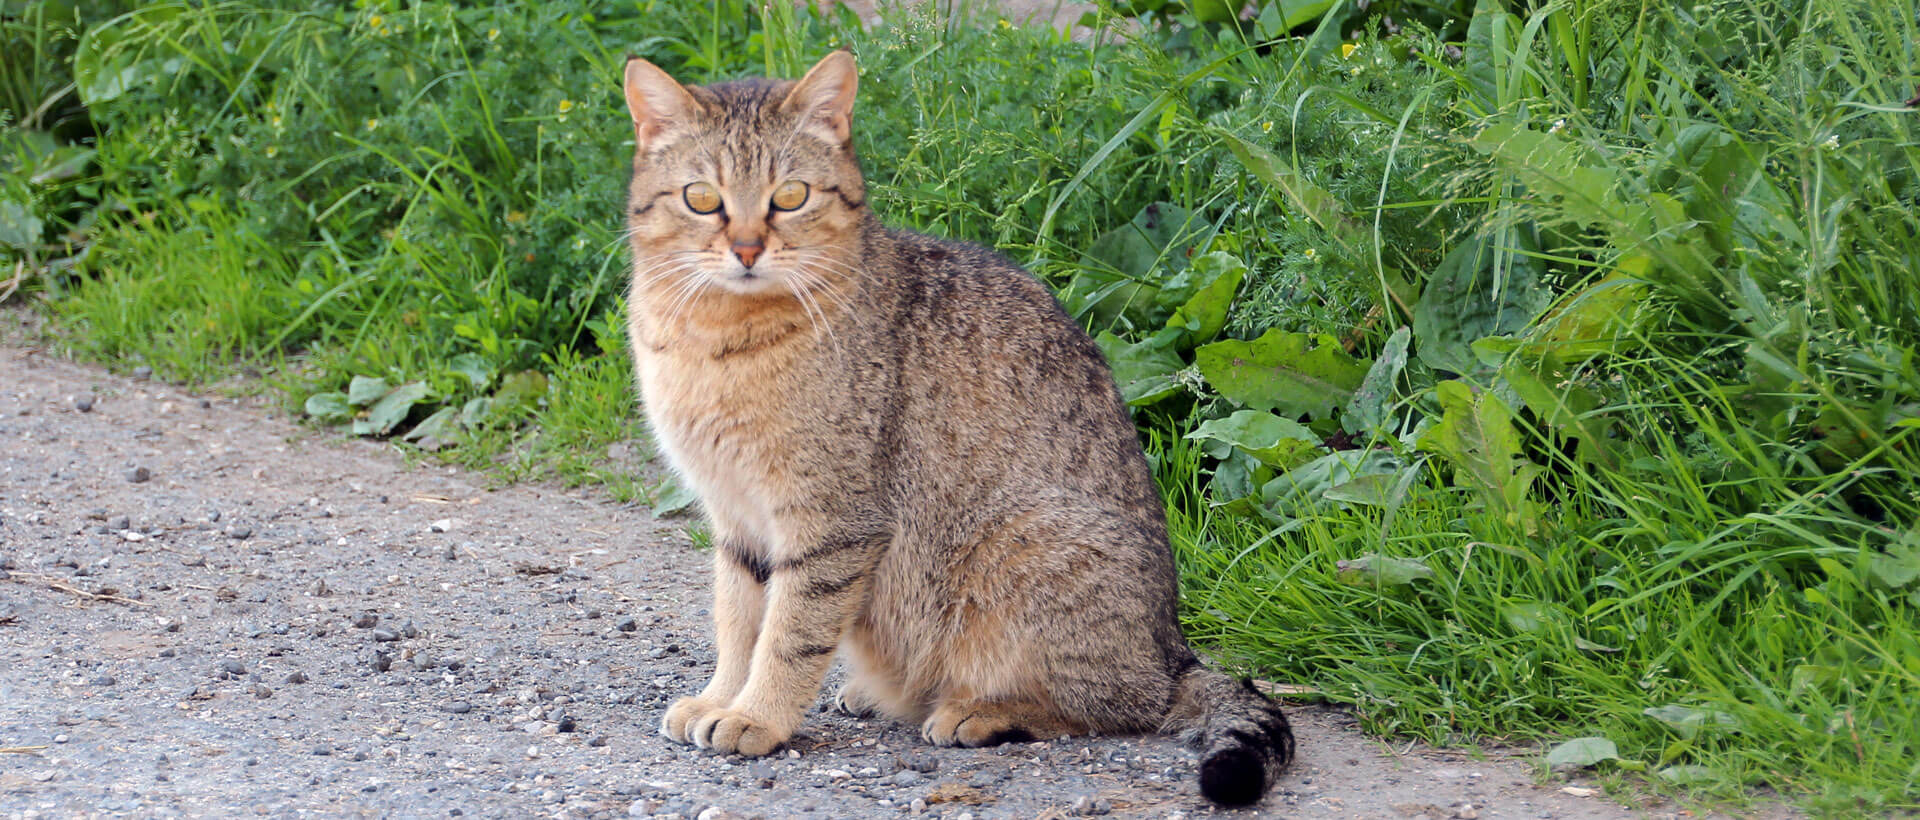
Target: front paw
pixel 683 716
pixel 727 731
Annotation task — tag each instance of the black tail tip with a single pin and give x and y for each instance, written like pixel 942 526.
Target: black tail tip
pixel 1234 776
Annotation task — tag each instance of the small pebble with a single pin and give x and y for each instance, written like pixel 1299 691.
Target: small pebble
pixel 143 372
pixel 83 404
pixel 138 475
pixel 102 680
pixel 458 707
pixel 365 620
pixel 296 676
pixel 239 532
pixel 261 691
pixel 597 741
pixel 232 668
pixel 383 634
pixel 627 624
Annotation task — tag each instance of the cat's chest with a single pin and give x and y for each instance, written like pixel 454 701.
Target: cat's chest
pixel 735 429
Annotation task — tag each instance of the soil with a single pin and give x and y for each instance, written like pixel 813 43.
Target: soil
pixel 209 610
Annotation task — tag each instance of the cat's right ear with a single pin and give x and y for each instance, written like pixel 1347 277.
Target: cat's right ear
pixel 656 101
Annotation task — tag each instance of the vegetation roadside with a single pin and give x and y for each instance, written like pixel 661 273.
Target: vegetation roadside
pixel 1513 370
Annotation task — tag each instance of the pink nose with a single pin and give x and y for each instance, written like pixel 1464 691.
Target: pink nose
pixel 748 252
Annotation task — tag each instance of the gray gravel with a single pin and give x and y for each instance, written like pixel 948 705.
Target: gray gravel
pixel 278 621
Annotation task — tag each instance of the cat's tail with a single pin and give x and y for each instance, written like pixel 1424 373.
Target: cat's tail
pixel 1244 739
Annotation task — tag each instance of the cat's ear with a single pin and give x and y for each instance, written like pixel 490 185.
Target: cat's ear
pixel 655 100
pixel 825 96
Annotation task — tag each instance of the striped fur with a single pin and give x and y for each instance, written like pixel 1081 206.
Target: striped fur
pixel 910 456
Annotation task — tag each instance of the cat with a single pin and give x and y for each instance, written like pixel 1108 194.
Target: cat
pixel 909 455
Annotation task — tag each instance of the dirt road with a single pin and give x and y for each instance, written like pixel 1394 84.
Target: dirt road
pixel 209 611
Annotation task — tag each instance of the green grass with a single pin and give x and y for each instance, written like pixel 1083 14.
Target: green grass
pixel 1639 466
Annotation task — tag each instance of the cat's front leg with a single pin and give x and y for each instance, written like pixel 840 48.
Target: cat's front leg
pixel 812 596
pixel 739 602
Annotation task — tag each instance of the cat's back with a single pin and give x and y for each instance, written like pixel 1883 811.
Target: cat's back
pixel 1000 390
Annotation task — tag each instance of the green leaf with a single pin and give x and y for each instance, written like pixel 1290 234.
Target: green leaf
pixel 443 424
pixel 1117 281
pixel 1144 369
pixel 1236 483
pixel 1898 567
pixel 1482 288
pixel 1367 410
pixel 1299 195
pixel 1689 774
pixel 391 409
pixel 1582 752
pixel 1688 721
pixel 1303 489
pixel 112 59
pixel 19 228
pixel 1205 312
pixel 62 163
pixel 475 367
pixel 1373 490
pixel 671 497
pixel 1271 440
pixel 365 390
pixel 1379 570
pixel 1477 435
pixel 1294 373
pixel 1529 617
pixel 476 411
pixel 1595 320
pixel 329 407
pixel 1548 388
pixel 520 391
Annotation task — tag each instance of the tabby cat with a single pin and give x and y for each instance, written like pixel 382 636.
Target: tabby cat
pixel 910 456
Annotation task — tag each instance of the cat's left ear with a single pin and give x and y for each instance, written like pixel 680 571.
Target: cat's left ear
pixel 825 96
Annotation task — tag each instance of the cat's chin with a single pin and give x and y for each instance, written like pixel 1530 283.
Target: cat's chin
pixel 750 283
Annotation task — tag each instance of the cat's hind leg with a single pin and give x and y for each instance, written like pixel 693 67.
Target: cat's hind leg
pixel 975 723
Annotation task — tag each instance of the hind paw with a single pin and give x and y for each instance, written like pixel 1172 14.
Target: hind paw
pixel 973 726
pixel 856 701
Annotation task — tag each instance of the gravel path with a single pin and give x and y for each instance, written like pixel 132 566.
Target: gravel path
pixel 205 610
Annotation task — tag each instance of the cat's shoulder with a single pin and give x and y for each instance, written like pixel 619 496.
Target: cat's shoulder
pixel 955 265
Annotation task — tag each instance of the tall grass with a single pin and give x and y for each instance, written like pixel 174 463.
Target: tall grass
pixel 1635 283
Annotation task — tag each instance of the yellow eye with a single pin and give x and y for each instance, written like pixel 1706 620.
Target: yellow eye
pixel 790 195
pixel 702 198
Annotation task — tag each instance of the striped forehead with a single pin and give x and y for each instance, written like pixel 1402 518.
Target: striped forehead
pixel 746 142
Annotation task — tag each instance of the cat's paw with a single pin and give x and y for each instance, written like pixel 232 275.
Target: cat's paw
pixel 854 700
pixel 971 727
pixel 730 731
pixel 683 715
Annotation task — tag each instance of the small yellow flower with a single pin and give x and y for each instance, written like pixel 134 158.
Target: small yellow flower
pixel 1266 127
pixel 493 34
pixel 1355 71
pixel 516 217
pixel 376 20
pixel 275 122
pixel 1310 254
pixel 1347 50
pixel 565 106
pixel 373 123
pixel 1004 24
pixel 273 151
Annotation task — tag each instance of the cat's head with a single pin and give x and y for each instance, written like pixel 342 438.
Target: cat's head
pixel 749 186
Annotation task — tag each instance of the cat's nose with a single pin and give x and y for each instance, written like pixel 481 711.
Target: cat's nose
pixel 748 252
